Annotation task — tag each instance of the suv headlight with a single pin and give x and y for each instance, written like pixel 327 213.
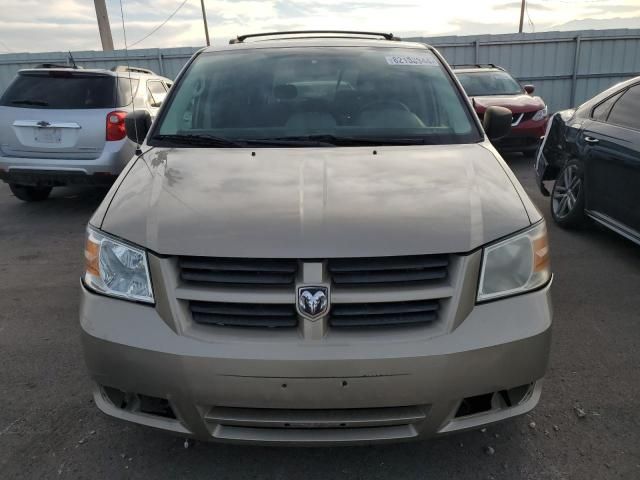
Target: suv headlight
pixel 115 268
pixel 515 265
pixel 541 114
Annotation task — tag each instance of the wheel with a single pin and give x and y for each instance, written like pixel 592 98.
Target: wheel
pixel 567 196
pixel 30 194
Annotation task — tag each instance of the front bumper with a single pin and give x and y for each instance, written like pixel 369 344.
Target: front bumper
pixel 525 137
pixel 316 391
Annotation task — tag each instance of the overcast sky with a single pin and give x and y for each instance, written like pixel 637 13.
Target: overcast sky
pixel 60 25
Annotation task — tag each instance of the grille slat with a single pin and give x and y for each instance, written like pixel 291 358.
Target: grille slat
pixel 237 271
pixel 240 309
pixel 388 270
pixel 383 308
pixel 388 277
pixel 384 314
pixel 240 265
pixel 254 278
pixel 386 263
pixel 243 314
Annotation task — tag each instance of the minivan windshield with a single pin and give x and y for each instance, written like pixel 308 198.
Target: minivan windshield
pixel 316 97
pixel 478 84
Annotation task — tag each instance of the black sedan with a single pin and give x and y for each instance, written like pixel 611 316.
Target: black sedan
pixel 593 154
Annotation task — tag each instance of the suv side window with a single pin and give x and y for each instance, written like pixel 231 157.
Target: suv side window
pixel 601 111
pixel 625 112
pixel 157 92
pixel 127 88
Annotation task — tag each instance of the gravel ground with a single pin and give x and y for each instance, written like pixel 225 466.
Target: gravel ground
pixel 586 426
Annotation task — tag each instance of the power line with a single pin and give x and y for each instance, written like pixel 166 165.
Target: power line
pixel 159 26
pixel 577 2
pixel 533 27
pixel 5 46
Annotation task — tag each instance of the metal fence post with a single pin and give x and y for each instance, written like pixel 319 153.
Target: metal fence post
pixel 160 62
pixel 574 76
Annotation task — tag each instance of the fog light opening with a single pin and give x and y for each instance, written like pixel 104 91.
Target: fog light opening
pixel 517 395
pixel 494 401
pixel 476 404
pixel 135 402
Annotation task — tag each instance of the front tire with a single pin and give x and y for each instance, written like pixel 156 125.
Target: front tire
pixel 30 194
pixel 567 196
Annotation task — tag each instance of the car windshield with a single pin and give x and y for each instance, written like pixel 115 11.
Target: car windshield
pixel 316 96
pixel 60 90
pixel 478 84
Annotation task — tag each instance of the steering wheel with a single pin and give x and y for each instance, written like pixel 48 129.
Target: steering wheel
pixel 389 104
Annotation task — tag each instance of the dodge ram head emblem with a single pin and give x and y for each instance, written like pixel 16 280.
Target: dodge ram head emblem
pixel 313 302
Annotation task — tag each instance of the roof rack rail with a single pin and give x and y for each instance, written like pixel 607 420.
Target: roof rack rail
pixel 57 65
pixel 242 38
pixel 125 68
pixel 477 65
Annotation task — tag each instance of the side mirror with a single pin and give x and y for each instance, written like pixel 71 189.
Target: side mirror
pixel 497 122
pixel 529 89
pixel 137 125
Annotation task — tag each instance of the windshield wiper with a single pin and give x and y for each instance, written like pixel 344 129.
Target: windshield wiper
pixel 357 141
pixel 39 103
pixel 288 142
pixel 200 140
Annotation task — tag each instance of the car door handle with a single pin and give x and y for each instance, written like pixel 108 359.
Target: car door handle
pixel 591 140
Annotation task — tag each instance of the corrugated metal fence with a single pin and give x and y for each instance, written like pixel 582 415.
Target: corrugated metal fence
pixel 164 61
pixel 566 67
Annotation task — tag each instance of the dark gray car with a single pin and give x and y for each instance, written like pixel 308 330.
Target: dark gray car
pixel 318 244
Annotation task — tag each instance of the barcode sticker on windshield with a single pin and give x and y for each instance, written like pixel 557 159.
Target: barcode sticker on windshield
pixel 412 60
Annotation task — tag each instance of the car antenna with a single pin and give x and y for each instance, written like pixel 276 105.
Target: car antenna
pixel 138 150
pixel 72 61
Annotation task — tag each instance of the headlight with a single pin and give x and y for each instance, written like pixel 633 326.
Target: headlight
pixel 541 114
pixel 515 265
pixel 116 268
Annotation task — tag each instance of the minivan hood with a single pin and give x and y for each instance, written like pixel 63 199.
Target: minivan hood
pixel 521 103
pixel 315 202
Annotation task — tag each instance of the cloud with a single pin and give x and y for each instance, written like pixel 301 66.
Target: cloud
pixel 599 23
pixel 518 5
pixel 59 25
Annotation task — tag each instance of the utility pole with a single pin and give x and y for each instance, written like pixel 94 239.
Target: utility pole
pixel 204 19
pixel 524 5
pixel 103 25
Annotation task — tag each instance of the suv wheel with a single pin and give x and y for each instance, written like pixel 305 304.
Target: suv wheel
pixel 30 194
pixel 567 196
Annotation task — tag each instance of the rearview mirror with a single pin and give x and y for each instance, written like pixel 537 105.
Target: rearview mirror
pixel 137 125
pixel 497 122
pixel 529 89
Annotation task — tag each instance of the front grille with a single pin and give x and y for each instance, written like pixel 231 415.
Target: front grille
pixel 383 271
pixel 366 292
pixel 243 314
pixel 384 314
pixel 237 271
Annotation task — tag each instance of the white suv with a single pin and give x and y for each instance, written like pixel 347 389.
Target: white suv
pixel 61 125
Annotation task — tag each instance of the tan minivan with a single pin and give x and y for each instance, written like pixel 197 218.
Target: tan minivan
pixel 316 244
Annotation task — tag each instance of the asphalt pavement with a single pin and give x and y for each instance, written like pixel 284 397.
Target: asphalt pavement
pixel 587 425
